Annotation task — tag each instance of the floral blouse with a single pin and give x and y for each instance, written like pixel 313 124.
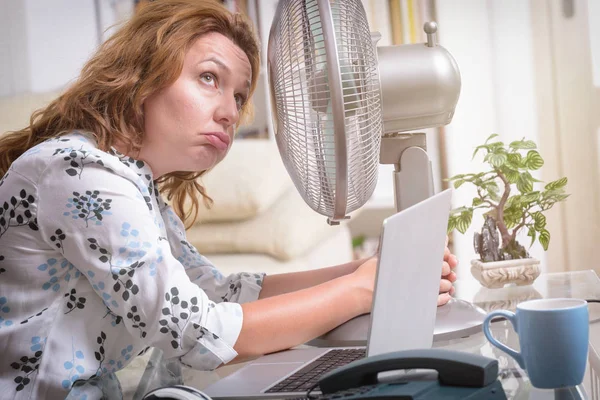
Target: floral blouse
pixel 95 268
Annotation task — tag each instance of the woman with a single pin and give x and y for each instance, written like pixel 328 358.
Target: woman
pixel 94 265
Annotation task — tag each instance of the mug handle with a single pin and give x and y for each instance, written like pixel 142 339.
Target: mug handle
pixel 486 331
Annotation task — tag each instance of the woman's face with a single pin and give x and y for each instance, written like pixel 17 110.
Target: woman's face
pixel 189 126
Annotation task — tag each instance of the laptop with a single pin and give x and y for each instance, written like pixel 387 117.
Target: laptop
pixel 403 312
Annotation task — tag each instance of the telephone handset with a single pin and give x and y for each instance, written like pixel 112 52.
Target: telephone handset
pixel 460 375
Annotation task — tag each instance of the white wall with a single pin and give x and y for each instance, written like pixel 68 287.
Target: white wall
pixel 43 45
pixel 14 62
pixel 491 43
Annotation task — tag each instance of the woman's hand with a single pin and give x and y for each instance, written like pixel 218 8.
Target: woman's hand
pixel 364 276
pixel 448 276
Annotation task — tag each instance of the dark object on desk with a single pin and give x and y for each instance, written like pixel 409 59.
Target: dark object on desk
pixel 459 375
pixel 177 392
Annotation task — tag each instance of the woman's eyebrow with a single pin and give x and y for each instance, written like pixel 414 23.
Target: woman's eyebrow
pixel 222 65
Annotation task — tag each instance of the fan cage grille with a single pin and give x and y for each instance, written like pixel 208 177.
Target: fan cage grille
pixel 302 101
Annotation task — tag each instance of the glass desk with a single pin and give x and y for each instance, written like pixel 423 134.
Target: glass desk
pixel 151 370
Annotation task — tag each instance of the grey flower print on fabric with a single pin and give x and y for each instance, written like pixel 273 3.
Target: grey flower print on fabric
pixel 28 365
pixel 137 322
pixel 89 207
pixel 74 302
pixel 58 238
pixel 33 316
pixel 112 365
pixel 78 159
pixel 146 186
pixel 15 212
pixel 2 269
pixel 177 315
pixel 122 275
pixel 116 320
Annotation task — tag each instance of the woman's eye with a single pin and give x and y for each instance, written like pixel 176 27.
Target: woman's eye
pixel 208 78
pixel 240 101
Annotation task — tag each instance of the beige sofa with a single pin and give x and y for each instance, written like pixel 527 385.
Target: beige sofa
pixel 258 223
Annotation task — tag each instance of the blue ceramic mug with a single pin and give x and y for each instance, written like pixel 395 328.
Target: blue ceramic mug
pixel 553 336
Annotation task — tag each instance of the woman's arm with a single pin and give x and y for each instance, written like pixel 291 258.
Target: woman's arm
pixel 277 284
pixel 280 322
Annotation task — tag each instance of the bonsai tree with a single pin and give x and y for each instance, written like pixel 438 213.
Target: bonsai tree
pixel 512 202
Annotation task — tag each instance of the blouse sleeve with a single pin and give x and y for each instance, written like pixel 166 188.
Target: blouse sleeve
pixel 239 287
pixel 108 232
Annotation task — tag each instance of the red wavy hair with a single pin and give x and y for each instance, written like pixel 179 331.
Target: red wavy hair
pixel 144 56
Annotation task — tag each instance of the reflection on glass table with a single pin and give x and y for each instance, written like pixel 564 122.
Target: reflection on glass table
pixel 158 372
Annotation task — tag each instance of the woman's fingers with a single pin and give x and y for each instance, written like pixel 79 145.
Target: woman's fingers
pixel 446 268
pixel 443 299
pixel 445 286
pixel 451 277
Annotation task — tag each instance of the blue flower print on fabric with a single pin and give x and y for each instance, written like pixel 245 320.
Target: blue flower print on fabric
pixel 114 365
pixel 100 286
pixel 175 223
pixel 134 250
pixel 89 206
pixel 190 258
pixel 4 309
pixel 52 268
pixel 37 343
pixel 73 367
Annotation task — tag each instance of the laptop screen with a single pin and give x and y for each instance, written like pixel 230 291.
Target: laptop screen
pixel 408 276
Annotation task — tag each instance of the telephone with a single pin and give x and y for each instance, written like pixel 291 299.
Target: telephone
pixel 459 375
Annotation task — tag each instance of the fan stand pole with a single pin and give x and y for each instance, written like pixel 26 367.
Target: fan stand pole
pixel 413 176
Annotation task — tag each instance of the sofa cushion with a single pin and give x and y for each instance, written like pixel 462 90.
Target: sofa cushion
pixel 286 230
pixel 15 111
pixel 247 182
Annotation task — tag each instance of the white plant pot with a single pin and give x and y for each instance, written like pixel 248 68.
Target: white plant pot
pixel 497 274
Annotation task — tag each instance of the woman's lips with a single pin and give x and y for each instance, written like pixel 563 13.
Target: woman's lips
pixel 218 140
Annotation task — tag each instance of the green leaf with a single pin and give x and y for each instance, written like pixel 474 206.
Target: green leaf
pixel 557 184
pixel 511 175
pixel 531 197
pixel 539 220
pixel 477 201
pixel 493 192
pixel 479 148
pixel 532 233
pixel 458 183
pixel 513 200
pixel 530 177
pixel 358 241
pixel 455 177
pixel 524 184
pixel 533 160
pixel 451 224
pixel 523 145
pixel 544 238
pixel 464 221
pixel 459 210
pixel 493 135
pixel 515 159
pixel 560 197
pixel 510 221
pixel 497 159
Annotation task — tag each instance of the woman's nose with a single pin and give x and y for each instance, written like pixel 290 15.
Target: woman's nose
pixel 227 111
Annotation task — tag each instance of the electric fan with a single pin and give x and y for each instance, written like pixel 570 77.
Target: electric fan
pixel 339 105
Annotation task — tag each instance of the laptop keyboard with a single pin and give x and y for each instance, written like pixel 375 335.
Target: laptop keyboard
pixel 309 375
